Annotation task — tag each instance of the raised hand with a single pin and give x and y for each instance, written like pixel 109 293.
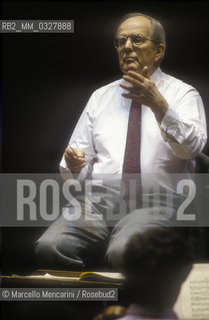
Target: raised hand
pixel 143 90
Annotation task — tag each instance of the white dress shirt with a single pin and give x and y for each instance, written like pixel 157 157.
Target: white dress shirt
pixel 166 147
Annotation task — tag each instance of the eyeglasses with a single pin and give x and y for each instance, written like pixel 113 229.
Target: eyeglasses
pixel 136 40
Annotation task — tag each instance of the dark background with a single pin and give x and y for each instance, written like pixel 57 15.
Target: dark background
pixel 46 80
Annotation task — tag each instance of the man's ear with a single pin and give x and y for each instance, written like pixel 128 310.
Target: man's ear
pixel 160 51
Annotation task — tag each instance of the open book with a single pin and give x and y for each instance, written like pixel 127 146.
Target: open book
pixel 102 276
pixel 70 276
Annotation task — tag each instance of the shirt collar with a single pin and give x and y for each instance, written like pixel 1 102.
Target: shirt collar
pixel 156 76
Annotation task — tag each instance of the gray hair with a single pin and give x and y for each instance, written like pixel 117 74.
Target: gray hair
pixel 157 30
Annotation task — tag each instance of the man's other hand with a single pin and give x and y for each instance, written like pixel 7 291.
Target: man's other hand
pixel 75 159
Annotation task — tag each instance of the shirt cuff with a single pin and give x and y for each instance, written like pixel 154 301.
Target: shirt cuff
pixel 66 173
pixel 170 125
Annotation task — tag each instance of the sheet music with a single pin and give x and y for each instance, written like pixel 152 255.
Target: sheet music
pixel 193 301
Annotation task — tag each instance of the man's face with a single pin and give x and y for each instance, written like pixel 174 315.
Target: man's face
pixel 136 57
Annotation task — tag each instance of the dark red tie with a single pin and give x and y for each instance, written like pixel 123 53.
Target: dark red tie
pixel 131 163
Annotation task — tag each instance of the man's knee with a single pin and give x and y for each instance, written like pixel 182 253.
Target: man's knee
pixel 58 251
pixel 43 250
pixel 114 256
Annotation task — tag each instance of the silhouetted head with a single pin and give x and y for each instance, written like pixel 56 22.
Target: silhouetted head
pixel 156 263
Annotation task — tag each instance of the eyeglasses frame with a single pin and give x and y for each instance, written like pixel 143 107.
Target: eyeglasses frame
pixel 130 36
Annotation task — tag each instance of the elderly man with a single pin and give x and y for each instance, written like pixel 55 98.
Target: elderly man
pixel 146 123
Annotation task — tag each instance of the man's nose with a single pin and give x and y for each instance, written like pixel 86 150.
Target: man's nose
pixel 128 44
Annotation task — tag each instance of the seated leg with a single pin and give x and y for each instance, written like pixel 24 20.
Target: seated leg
pixel 137 221
pixel 76 243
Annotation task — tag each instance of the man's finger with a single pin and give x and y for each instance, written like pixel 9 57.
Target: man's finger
pixel 131 96
pixel 72 156
pixel 75 162
pixel 73 152
pixel 133 81
pixel 126 87
pixel 135 75
pixel 145 72
pixel 72 159
pixel 70 153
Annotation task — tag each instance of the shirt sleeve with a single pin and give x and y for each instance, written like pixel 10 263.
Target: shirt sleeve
pixel 82 138
pixel 184 125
